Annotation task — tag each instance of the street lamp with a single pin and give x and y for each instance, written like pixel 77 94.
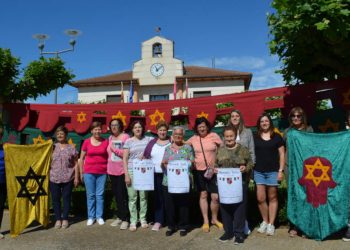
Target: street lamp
pixel 72 33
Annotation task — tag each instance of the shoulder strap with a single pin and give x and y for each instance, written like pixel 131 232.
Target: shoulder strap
pixel 205 159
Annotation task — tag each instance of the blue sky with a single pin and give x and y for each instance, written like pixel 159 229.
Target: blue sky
pixel 234 32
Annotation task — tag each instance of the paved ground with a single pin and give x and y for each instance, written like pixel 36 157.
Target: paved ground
pixel 79 236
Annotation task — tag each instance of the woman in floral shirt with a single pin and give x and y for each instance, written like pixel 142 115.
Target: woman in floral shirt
pixel 176 151
pixel 63 174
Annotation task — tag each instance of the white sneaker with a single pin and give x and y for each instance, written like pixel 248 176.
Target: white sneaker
pixel 262 228
pixel 124 225
pixel 2 236
pixel 116 222
pixel 270 230
pixel 100 221
pixel 90 222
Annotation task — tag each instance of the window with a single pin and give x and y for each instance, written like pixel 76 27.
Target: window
pixel 113 98
pixel 159 98
pixel 157 50
pixel 201 93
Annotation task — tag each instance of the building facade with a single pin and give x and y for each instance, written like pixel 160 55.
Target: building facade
pixel 161 76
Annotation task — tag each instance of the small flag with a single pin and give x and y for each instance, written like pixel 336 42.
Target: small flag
pixel 131 96
pixel 175 89
pixel 187 88
pixel 122 93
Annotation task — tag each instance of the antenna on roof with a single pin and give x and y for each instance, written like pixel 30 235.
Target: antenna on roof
pixel 213 62
pixel 158 29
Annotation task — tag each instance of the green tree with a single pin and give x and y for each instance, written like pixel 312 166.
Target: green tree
pixel 38 78
pixel 311 39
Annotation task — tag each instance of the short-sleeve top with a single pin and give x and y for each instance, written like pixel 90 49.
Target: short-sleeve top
pixel 210 143
pixel 267 154
pixel 62 164
pixel 172 154
pixel 96 157
pixel 136 148
pixel 233 158
pixel 115 157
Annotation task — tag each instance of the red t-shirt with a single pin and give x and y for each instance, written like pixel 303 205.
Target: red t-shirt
pixel 96 157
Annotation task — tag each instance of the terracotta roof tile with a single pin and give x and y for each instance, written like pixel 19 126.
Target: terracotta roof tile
pixel 192 72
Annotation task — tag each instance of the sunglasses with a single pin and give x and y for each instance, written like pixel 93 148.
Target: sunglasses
pixel 296 116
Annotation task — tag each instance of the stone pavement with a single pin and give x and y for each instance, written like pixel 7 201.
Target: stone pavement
pixel 79 236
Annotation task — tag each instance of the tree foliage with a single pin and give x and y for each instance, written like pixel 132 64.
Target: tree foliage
pixel 38 78
pixel 311 39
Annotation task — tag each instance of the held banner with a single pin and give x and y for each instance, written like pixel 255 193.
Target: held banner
pixel 114 156
pixel 178 177
pixel 230 185
pixel 143 175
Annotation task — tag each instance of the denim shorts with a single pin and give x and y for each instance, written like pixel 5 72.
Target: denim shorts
pixel 266 178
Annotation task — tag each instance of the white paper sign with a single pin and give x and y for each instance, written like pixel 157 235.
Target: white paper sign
pixel 117 145
pixel 143 175
pixel 230 185
pixel 157 166
pixel 178 177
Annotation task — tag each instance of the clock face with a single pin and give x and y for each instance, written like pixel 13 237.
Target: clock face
pixel 157 69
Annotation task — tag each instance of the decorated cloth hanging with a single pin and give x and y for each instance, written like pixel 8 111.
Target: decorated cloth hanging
pixel 27 178
pixel 318 183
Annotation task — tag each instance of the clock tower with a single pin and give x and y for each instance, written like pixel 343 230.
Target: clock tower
pixel 157 65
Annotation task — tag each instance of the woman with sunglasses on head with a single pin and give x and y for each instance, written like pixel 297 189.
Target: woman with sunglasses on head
pixel 115 171
pixel 155 151
pixel 268 171
pixel 205 144
pixel 297 120
pixel 133 149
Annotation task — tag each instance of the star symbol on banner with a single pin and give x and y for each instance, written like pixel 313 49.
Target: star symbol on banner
pixel 155 115
pixel 29 193
pixel 317 179
pixel 346 95
pixel 70 141
pixel 203 114
pixel 329 124
pixel 81 117
pixel 120 116
pixel 38 140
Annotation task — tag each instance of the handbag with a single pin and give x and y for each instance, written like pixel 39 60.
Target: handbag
pixel 209 172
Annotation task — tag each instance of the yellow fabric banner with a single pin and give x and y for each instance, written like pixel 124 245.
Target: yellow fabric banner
pixel 27 178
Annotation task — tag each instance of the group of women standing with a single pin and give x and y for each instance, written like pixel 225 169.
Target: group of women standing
pixel 204 150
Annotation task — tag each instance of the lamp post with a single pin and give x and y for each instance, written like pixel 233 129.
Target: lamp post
pixel 72 33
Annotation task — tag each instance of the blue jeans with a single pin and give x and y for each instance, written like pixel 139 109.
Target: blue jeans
pixel 95 188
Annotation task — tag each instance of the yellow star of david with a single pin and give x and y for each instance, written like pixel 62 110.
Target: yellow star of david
pixel 81 117
pixel 38 140
pixel 155 115
pixel 70 141
pixel 329 124
pixel 120 116
pixel 203 114
pixel 346 95
pixel 317 165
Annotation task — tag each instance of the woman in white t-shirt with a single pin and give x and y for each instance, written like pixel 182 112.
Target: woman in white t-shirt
pixel 155 151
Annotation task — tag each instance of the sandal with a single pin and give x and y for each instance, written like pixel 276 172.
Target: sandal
pixel 218 224
pixel 293 233
pixel 205 228
pixel 58 224
pixel 65 224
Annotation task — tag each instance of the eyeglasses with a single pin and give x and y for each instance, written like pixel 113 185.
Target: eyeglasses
pixel 114 125
pixel 296 116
